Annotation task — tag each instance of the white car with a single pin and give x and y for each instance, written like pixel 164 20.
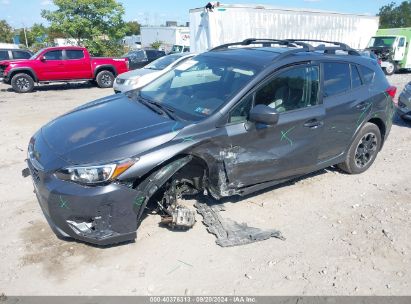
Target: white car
pixel 138 78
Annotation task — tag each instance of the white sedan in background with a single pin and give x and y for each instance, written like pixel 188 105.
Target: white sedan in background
pixel 138 78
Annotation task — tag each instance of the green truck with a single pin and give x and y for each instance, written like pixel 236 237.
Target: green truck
pixel 392 47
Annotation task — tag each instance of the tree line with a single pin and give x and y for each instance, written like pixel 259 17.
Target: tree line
pixel 95 24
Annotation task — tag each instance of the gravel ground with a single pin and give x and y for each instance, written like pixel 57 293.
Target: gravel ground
pixel 346 235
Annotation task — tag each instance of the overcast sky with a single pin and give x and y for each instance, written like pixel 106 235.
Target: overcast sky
pixel 156 12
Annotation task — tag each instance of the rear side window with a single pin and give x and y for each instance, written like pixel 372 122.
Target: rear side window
pixel 21 55
pixel 367 74
pixel 54 55
pixel 4 55
pixel 355 77
pixel 74 54
pixel 337 78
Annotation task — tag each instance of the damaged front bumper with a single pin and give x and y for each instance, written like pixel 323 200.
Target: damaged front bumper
pixel 101 215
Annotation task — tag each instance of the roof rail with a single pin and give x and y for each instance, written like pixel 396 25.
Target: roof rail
pixel 294 43
pixel 264 42
pixel 330 50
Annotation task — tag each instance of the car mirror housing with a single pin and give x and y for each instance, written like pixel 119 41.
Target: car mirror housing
pixel 264 114
pixel 42 58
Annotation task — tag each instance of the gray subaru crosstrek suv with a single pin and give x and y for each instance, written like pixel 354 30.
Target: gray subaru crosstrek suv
pixel 237 119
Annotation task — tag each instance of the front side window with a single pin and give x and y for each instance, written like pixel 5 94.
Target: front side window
pixel 198 87
pixel 337 78
pixel 402 42
pixel 74 54
pixel 240 112
pixel 292 89
pixel 54 55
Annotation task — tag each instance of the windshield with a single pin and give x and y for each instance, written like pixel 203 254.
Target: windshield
pixel 381 42
pixel 36 55
pixel 198 87
pixel 163 62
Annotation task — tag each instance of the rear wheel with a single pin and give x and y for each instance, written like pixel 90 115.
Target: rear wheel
pixel 105 79
pixel 22 83
pixel 363 150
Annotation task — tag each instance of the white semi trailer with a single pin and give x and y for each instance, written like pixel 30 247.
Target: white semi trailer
pixel 232 23
pixel 169 36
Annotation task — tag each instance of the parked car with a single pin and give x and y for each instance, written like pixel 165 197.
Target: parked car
pixel 61 64
pixel 138 78
pixel 404 103
pixel 14 54
pixel 140 58
pixel 230 121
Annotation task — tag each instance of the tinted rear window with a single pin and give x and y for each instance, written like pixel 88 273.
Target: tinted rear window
pixel 4 55
pixel 355 77
pixel 367 74
pixel 336 78
pixel 74 54
pixel 21 55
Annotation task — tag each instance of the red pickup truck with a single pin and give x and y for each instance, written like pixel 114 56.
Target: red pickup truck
pixel 61 64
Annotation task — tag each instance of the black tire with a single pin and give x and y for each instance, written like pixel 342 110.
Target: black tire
pixel 105 79
pixel 363 150
pixel 22 83
pixel 391 69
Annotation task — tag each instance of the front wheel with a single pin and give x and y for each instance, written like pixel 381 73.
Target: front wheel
pixel 363 150
pixel 22 83
pixel 391 68
pixel 105 79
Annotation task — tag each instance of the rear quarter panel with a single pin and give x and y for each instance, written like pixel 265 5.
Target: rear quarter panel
pixel 119 65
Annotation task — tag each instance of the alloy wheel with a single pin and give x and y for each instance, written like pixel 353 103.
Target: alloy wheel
pixel 23 84
pixel 366 149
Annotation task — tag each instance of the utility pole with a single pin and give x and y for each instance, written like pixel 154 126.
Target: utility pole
pixel 25 35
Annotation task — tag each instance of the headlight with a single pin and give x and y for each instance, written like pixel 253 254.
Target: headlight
pixel 132 81
pixel 94 174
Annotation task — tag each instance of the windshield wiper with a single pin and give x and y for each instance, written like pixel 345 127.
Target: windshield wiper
pixel 159 106
pixel 150 106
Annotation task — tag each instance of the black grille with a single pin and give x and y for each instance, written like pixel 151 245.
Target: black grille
pixel 2 68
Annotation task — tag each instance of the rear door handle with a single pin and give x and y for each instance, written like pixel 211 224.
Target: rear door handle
pixel 313 123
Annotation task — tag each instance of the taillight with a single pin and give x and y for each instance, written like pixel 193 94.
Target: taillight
pixel 391 90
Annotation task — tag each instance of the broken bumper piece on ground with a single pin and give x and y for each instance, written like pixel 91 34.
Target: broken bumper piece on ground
pixel 230 233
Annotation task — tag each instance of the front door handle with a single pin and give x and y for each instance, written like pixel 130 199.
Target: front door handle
pixel 313 123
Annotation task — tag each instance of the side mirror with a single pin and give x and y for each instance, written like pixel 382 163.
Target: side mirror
pixel 42 58
pixel 264 114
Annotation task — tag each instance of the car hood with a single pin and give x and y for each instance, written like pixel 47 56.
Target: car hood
pixel 112 128
pixel 136 73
